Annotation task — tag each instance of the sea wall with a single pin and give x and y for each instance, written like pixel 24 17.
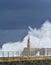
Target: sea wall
pixel 36 62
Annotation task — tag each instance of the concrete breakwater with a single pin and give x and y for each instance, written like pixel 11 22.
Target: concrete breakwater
pixel 42 60
pixel 36 62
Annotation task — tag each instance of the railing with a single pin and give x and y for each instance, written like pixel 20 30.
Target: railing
pixel 9 53
pixel 20 54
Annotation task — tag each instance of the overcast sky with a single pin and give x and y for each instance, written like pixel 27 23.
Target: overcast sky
pixel 17 15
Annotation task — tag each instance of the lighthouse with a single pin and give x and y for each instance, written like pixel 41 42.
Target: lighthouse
pixel 28 43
